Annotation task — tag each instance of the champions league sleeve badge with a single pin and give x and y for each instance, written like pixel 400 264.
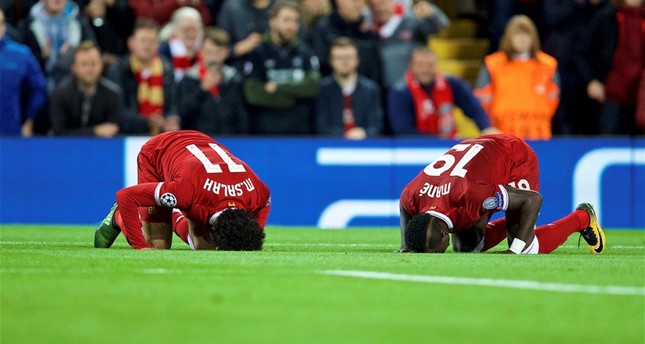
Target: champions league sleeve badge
pixel 490 203
pixel 494 203
pixel 168 200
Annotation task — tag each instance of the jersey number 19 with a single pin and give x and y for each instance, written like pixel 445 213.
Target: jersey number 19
pixel 449 161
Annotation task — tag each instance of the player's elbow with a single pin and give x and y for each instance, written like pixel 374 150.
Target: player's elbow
pixel 534 201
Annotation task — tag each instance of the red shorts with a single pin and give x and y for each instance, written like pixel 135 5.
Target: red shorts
pixel 147 173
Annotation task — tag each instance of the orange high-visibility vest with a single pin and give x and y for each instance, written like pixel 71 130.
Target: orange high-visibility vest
pixel 522 96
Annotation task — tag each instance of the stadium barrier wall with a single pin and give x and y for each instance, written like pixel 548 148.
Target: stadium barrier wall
pixel 329 183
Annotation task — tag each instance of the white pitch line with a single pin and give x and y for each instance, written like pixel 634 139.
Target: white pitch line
pixel 487 282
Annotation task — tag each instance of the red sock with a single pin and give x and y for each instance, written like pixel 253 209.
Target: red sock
pixel 553 235
pixel 118 221
pixel 494 234
pixel 180 225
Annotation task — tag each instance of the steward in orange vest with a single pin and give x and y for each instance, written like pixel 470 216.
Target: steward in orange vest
pixel 518 85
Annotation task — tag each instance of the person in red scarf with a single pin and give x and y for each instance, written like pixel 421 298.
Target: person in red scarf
pixel 182 39
pixel 147 83
pixel 422 102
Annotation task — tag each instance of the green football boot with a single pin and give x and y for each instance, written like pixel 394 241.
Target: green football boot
pixel 107 231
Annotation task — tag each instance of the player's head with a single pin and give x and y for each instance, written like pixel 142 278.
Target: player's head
pixel 237 230
pixel 426 234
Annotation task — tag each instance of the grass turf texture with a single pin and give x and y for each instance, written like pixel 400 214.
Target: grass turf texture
pixel 56 288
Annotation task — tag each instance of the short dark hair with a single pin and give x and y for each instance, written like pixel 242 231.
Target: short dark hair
pixel 423 50
pixel 423 232
pixel 275 10
pixel 237 230
pixel 86 46
pixel 343 42
pixel 416 233
pixel 143 23
pixel 217 36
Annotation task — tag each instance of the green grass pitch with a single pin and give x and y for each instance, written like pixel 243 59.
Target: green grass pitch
pixel 315 286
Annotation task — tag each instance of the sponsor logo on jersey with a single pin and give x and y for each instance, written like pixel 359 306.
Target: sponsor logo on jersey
pixel 231 204
pixel 168 200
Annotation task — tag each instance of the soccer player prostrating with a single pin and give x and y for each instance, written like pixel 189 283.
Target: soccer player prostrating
pixel 219 202
pixel 458 193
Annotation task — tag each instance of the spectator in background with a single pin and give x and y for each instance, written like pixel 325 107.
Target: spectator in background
pixel 518 85
pixel 422 102
pixel 312 12
pixel 620 90
pixel 210 96
pixel 245 21
pixel 52 31
pixel 161 10
pixel 112 22
pixel 347 20
pixel 182 39
pixel 12 33
pixel 147 83
pixel 84 103
pixel 282 77
pixel 19 72
pixel 568 23
pixel 16 10
pixel 594 50
pixel 348 104
pixel 214 6
pixel 400 34
pixel 501 11
pixel 424 9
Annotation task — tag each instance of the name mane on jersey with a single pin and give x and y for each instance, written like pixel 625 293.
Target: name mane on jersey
pixel 435 191
pixel 229 190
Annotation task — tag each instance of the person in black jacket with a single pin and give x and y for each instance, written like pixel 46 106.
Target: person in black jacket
pixel 282 77
pixel 84 103
pixel 348 104
pixel 209 97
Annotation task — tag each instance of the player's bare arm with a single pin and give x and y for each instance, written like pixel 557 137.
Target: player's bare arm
pixel 199 235
pixel 521 216
pixel 157 234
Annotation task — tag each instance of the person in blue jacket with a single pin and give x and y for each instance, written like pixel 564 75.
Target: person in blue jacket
pixel 19 72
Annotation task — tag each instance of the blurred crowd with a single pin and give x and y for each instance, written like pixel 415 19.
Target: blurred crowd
pixel 335 68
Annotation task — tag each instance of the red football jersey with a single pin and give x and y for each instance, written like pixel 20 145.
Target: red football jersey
pixel 192 172
pixel 465 183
